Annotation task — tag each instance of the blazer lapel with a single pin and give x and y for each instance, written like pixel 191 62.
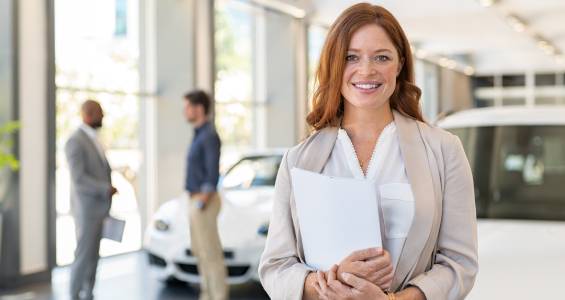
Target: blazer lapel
pixel 93 148
pixel 415 158
pixel 314 158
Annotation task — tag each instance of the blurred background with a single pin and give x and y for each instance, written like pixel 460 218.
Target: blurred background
pixel 491 71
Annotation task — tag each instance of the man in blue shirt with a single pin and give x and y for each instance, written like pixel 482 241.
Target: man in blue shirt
pixel 202 173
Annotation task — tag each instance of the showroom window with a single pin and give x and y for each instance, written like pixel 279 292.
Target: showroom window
pixel 258 69
pixel 97 57
pixel 236 105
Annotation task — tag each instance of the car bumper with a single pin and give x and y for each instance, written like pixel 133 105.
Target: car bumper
pixel 241 262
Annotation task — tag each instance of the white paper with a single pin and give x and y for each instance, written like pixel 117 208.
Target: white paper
pixel 336 216
pixel 113 229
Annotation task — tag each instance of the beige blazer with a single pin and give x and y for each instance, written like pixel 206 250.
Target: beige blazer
pixel 440 253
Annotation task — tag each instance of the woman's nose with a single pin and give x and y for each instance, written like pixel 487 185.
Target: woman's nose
pixel 367 67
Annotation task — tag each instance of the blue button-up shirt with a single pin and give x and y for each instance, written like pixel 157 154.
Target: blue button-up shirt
pixel 203 160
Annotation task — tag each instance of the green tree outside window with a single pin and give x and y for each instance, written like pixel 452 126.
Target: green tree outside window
pixel 7 159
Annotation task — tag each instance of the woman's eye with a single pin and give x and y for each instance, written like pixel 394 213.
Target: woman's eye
pixel 382 58
pixel 351 57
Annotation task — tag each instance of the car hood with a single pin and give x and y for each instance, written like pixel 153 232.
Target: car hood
pixel 243 213
pixel 520 259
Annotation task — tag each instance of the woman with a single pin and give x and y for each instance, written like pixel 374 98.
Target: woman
pixel 368 125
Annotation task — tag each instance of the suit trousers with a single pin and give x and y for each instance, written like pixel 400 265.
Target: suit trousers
pixel 83 269
pixel 207 248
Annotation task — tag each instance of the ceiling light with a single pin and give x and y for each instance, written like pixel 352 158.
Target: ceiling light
pixel 486 3
pixel 469 71
pixel 443 62
pixel 519 27
pixel 452 64
pixel 543 44
pixel 517 24
pixel 549 50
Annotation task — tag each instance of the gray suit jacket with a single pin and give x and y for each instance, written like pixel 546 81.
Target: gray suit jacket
pixel 90 177
pixel 440 252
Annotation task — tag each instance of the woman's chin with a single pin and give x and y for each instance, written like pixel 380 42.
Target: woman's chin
pixel 368 104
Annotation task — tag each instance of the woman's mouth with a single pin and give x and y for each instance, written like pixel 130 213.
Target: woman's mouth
pixel 367 87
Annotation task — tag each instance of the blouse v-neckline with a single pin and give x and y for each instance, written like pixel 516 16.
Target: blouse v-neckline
pixel 353 159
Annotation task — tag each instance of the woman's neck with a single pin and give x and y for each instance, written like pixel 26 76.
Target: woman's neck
pixel 365 123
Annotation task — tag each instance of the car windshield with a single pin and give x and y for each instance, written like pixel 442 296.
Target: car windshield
pixel 253 171
pixel 519 171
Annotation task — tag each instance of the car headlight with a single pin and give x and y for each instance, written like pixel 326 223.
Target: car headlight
pixel 161 225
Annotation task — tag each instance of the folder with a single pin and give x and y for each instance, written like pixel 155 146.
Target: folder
pixel 336 216
pixel 113 229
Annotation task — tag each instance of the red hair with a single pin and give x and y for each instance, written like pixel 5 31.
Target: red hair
pixel 327 102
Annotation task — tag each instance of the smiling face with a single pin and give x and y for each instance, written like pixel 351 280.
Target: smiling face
pixel 372 64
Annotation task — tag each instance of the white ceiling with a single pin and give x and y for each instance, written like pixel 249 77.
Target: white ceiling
pixel 464 28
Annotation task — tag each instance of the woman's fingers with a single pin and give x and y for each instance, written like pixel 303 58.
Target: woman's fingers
pixel 322 282
pixel 356 282
pixel 335 285
pixel 382 272
pixel 358 268
pixel 363 254
pixel 332 273
pixel 385 282
pixel 318 289
pixel 380 262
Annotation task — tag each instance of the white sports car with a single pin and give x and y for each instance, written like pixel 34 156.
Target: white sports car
pixel 246 190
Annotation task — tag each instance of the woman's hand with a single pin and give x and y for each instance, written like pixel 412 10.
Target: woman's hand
pixel 331 288
pixel 372 264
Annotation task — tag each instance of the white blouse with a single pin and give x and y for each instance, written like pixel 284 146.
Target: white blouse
pixel 386 169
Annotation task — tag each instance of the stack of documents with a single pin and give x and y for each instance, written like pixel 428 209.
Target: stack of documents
pixel 336 216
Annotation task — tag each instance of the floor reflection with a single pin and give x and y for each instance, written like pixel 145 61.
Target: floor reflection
pixel 125 277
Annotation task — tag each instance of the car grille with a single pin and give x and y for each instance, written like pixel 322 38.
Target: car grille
pixel 227 254
pixel 237 271
pixel 188 268
pixel 233 271
pixel 156 260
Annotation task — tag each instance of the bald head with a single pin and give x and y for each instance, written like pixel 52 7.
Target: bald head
pixel 92 113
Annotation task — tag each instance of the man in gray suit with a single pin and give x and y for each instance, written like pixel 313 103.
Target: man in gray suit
pixel 91 194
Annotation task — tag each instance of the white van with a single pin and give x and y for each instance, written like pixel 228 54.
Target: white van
pixel 518 159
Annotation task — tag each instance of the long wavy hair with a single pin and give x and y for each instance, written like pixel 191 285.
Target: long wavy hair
pixel 327 102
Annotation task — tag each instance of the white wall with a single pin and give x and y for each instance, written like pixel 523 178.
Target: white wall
pixel 281 85
pixel 33 136
pixel 167 70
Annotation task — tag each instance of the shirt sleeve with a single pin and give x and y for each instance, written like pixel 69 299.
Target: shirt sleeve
pixel 186 171
pixel 211 163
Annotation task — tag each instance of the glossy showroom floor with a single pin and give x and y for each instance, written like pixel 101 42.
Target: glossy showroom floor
pixel 124 277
